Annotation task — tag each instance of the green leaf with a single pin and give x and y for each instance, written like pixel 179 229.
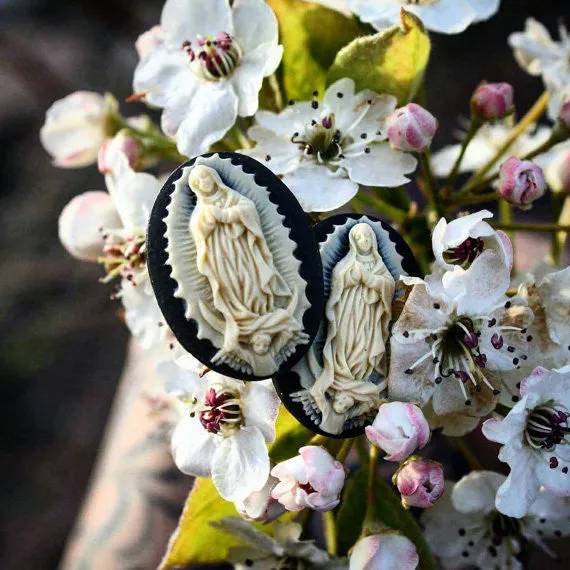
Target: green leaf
pixel 311 36
pixel 291 435
pixel 393 61
pixel 351 512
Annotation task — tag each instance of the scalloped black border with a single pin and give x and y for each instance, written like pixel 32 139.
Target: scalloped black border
pixel 289 382
pixel 307 252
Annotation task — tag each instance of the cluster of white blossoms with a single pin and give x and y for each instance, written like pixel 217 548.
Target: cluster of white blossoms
pixel 471 343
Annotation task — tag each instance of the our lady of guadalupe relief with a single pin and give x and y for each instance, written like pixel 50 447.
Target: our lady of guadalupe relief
pixel 229 275
pixel 337 388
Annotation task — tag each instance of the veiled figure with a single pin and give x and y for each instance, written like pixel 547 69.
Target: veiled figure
pixel 358 313
pixel 248 292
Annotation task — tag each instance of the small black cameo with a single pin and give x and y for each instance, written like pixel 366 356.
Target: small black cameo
pixel 337 388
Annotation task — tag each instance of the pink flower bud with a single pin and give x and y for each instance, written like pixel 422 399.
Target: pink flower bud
pixel 81 223
pixel 558 172
pixel 399 429
pixel 492 101
pixel 313 479
pixel 384 551
pixel 564 115
pixel 76 127
pixel 521 182
pixel 121 142
pixel 411 128
pixel 420 482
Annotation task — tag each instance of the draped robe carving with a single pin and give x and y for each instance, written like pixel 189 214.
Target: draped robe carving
pixel 252 300
pixel 357 314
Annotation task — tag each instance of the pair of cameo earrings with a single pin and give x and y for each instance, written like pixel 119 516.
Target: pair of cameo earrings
pixel 252 291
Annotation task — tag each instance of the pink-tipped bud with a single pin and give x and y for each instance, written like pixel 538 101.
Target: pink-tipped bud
pixel 420 482
pixel 411 128
pixel 564 115
pixel 558 172
pixel 120 143
pixel 399 429
pixel 312 479
pixel 521 182
pixel 149 40
pixel 492 101
pixel 384 551
pixel 82 221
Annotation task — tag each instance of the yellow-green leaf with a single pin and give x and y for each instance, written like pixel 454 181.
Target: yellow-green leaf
pixel 291 435
pixel 393 61
pixel 311 36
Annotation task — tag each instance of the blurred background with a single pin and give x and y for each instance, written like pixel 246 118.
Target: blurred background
pixel 61 345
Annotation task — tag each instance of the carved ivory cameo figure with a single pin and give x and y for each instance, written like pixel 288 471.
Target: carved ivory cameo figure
pixel 231 252
pixel 235 266
pixel 344 373
pixel 357 315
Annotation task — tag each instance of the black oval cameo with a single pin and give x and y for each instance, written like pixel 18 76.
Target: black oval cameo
pixel 235 267
pixel 337 388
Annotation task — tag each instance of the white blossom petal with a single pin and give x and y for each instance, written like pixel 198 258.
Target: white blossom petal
pixel 240 464
pixel 193 448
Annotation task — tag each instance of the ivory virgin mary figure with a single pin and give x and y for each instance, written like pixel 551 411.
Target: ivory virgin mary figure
pixel 358 314
pixel 252 300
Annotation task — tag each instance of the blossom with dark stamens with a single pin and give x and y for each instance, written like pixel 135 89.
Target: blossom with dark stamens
pixel 535 437
pixel 208 67
pixel 225 432
pixel 325 149
pixel 451 358
pixel 465 530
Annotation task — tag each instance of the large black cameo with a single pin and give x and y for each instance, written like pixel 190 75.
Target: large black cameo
pixel 235 266
pixel 337 388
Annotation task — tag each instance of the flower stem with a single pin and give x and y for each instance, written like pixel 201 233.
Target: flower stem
pixel 380 206
pixel 533 114
pixel 277 93
pixel 329 523
pixel 559 239
pixel 430 188
pixel 370 516
pixel 506 216
pixel 469 456
pixel 531 227
pixel 345 450
pixel 474 126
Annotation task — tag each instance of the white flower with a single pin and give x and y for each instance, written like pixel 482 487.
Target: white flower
pixel 399 429
pixel 485 145
pixel 534 441
pixel 122 142
pixel 443 16
pixel 538 54
pixel 465 530
pixel 260 505
pixel 111 228
pixel 207 67
pixel 325 149
pixel 384 551
pixel 76 127
pixel 472 261
pixel 283 550
pixel 225 431
pixel 312 479
pixel 455 358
